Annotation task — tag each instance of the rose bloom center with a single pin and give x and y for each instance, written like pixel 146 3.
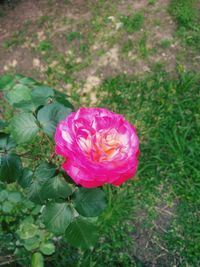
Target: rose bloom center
pixel 105 145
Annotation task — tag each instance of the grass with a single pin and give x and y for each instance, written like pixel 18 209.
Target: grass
pixel 166 114
pixel 151 2
pixel 127 46
pixel 133 23
pixel 71 36
pixel 165 43
pixel 142 47
pixel 43 20
pixel 185 12
pixel 2 14
pixel 18 38
pixel 45 45
pixel 187 17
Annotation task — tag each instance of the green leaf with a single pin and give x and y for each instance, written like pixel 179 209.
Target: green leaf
pixel 42 173
pixel 19 93
pixel 50 115
pixel 62 99
pixel 3 195
pixel 27 230
pixel 7 207
pixel 26 105
pixel 56 188
pixel 67 178
pixel 39 97
pixel 32 243
pixel 34 192
pixel 23 128
pixel 41 94
pixel 25 80
pixel 29 205
pixel 6 82
pixel 14 197
pixel 10 167
pixel 47 248
pixel 56 217
pixel 90 202
pixel 29 219
pixel 36 210
pixel 45 171
pixel 37 260
pixel 3 125
pixel 6 142
pixel 26 178
pixel 81 233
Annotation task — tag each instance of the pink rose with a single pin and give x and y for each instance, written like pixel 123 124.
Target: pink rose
pixel 99 146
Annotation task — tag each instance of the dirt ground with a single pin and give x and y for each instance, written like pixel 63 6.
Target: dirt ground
pixel 33 41
pixel 29 12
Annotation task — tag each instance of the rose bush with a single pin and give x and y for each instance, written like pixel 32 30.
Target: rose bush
pixel 40 205
pixel 99 146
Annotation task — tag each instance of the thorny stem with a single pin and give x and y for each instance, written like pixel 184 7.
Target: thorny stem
pixel 49 141
pixel 28 155
pixel 109 190
pixel 9 260
pixel 51 157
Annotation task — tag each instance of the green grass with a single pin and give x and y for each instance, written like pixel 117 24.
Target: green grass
pixel 166 114
pixel 71 36
pixel 84 48
pixel 133 23
pixel 43 20
pixel 151 2
pixel 127 46
pixel 45 46
pixel 185 12
pixel 165 43
pixel 187 16
pixel 142 47
pixel 2 14
pixel 17 39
